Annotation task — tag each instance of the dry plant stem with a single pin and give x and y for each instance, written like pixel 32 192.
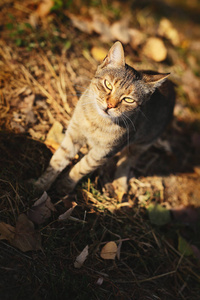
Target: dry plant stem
pixel 148 279
pixel 60 82
pixel 17 195
pixel 20 253
pixel 4 106
pixel 50 99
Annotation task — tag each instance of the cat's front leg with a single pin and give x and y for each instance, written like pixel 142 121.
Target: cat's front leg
pixel 60 160
pixel 90 162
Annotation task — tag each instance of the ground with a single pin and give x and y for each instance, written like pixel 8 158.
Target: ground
pixel 47 57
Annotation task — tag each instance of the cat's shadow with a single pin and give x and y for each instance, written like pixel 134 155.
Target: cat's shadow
pixel 22 158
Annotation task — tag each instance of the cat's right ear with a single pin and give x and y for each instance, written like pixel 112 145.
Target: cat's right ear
pixel 115 57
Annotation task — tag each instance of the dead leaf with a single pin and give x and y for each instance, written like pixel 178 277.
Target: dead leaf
pixel 7 232
pixel 55 136
pixel 155 49
pixel 67 214
pixel 82 23
pixel 98 53
pixel 99 281
pixel 119 31
pixel 136 37
pixel 96 23
pixel 44 8
pixel 101 25
pixel 41 210
pixel 158 214
pixel 81 258
pixel 26 238
pixel 109 251
pixel 167 30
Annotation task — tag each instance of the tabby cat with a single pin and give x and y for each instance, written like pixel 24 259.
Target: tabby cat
pixel 121 107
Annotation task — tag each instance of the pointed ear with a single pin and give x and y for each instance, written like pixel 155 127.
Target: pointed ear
pixel 154 79
pixel 115 56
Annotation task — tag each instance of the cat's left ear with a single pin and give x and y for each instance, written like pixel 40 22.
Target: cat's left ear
pixel 154 79
pixel 115 56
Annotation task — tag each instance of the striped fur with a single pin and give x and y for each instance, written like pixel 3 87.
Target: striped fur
pixel 120 107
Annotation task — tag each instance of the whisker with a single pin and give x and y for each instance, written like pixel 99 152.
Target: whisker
pixel 143 113
pixel 130 121
pixel 127 128
pixel 83 104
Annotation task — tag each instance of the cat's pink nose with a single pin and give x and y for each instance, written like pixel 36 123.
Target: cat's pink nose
pixel 110 105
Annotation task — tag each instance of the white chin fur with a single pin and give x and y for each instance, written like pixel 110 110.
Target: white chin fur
pixel 102 112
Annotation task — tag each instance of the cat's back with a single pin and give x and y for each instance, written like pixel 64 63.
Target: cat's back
pixel 156 113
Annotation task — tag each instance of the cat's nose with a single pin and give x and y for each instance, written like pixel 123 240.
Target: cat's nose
pixel 111 103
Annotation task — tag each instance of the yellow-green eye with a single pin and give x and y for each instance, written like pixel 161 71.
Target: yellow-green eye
pixel 108 85
pixel 128 100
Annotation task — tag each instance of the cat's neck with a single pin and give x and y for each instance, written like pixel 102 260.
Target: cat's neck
pixel 93 112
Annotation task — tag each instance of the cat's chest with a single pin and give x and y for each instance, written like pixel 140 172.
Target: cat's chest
pixel 98 130
pixel 99 133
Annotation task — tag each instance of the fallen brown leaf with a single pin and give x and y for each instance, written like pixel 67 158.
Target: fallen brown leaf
pixel 155 49
pixel 26 238
pixel 67 214
pixel 98 53
pixel 119 31
pixel 55 136
pixel 44 8
pixel 7 232
pixel 136 37
pixel 109 251
pixel 167 30
pixel 81 258
pixel 41 210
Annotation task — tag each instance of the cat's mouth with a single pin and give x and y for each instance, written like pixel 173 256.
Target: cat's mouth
pixel 105 111
pixel 109 113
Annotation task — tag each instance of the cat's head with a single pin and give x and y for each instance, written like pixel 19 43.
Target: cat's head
pixel 119 89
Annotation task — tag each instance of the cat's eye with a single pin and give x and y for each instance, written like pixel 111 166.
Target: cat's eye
pixel 108 85
pixel 128 100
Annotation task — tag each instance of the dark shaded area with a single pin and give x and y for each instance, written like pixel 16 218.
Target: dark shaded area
pixel 170 9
